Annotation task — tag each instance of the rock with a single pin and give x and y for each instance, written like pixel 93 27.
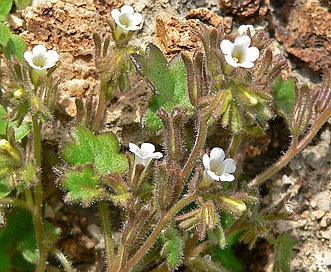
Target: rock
pixel 174 35
pixel 304 29
pixel 246 8
pixel 326 233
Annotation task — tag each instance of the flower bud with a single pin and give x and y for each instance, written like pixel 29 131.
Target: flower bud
pixel 12 151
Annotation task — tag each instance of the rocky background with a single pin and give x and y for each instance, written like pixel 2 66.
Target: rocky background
pixel 302 32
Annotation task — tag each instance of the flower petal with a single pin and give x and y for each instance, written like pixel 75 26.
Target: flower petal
pixel 206 161
pixel 136 19
pixel 229 165
pixel 115 13
pixel 227 47
pixel 252 54
pixel 227 177
pixel 243 29
pixel 242 41
pixel 28 56
pixel 246 64
pixel 39 49
pixel 127 9
pixel 52 56
pixel 156 155
pixel 217 156
pixel 148 147
pixel 134 148
pixel 217 153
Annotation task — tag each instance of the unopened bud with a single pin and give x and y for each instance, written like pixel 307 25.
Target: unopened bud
pixel 19 93
pixel 232 205
pixel 5 145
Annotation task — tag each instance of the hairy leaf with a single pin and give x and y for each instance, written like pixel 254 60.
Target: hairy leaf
pixel 82 185
pixel 101 151
pixel 283 251
pixel 284 95
pixel 173 248
pixel 169 82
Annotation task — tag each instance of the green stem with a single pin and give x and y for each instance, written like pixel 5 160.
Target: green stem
pixel 196 251
pixel 121 258
pixel 110 252
pixel 157 230
pixel 294 149
pixel 38 198
pixel 63 260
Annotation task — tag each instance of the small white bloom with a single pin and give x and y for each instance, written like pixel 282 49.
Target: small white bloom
pixel 127 19
pixel 145 153
pixel 289 208
pixel 243 29
pixel 41 59
pixel 239 54
pixel 216 167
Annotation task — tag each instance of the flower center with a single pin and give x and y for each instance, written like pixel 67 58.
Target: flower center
pixel 39 60
pixel 237 56
pixel 124 20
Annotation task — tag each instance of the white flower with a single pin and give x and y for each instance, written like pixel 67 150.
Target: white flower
pixel 127 19
pixel 216 167
pixel 239 54
pixel 145 153
pixel 243 29
pixel 41 59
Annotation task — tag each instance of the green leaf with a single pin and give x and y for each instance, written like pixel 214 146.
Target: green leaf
pixel 284 95
pixel 217 236
pixel 5 7
pixel 173 248
pixel 283 251
pixel 4 34
pixel 21 131
pixel 16 47
pixel 169 82
pixel 101 151
pixel 4 188
pixel 82 185
pixel 12 245
pixel 22 4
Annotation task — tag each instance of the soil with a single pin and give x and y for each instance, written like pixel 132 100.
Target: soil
pixel 302 32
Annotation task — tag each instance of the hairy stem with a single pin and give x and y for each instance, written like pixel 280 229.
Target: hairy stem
pixel 194 252
pixel 63 260
pixel 38 197
pixel 157 230
pixel 101 104
pixel 121 258
pixel 110 252
pixel 198 145
pixel 295 148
